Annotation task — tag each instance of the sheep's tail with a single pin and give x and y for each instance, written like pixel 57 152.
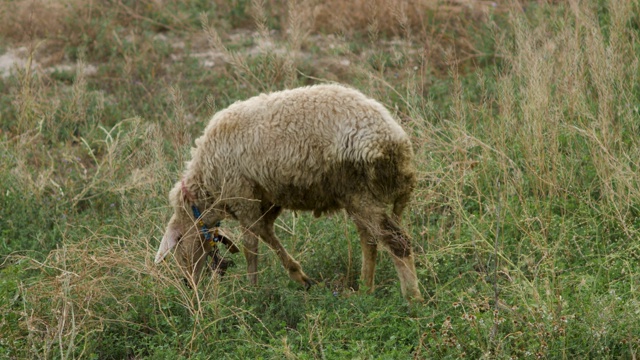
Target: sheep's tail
pixel 393 178
pixel 400 204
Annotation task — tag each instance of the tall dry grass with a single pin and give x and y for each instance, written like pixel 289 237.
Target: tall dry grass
pixel 549 157
pixel 98 271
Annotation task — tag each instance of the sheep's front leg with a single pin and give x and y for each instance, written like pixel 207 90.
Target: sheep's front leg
pixel 250 250
pixel 265 231
pixel 293 267
pixel 259 220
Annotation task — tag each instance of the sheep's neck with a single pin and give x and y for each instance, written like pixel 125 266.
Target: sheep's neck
pixel 204 230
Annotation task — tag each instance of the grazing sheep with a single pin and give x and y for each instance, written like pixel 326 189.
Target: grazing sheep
pixel 320 148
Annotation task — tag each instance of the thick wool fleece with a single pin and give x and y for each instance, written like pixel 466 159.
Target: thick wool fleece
pixel 304 149
pixel 319 148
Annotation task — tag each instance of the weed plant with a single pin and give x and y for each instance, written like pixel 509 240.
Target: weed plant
pixel 524 118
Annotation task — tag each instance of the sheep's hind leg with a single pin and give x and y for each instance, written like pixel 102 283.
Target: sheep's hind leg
pixel 399 205
pixel 369 254
pixel 372 221
pixel 399 245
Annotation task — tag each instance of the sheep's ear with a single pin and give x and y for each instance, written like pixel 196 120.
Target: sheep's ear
pixel 169 241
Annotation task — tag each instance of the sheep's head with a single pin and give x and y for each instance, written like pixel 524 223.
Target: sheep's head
pixel 183 233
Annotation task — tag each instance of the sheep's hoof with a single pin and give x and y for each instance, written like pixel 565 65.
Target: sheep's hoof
pixel 415 298
pixel 308 283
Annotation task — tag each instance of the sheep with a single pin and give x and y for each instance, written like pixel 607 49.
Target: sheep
pixel 321 148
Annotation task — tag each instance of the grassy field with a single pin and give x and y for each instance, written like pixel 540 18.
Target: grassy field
pixel 525 119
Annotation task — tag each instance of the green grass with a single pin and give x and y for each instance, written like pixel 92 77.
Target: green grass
pixel 525 221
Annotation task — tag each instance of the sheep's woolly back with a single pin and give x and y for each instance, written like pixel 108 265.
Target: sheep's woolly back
pixel 302 149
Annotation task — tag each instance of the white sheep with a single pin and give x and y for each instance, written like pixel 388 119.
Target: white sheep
pixel 320 148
